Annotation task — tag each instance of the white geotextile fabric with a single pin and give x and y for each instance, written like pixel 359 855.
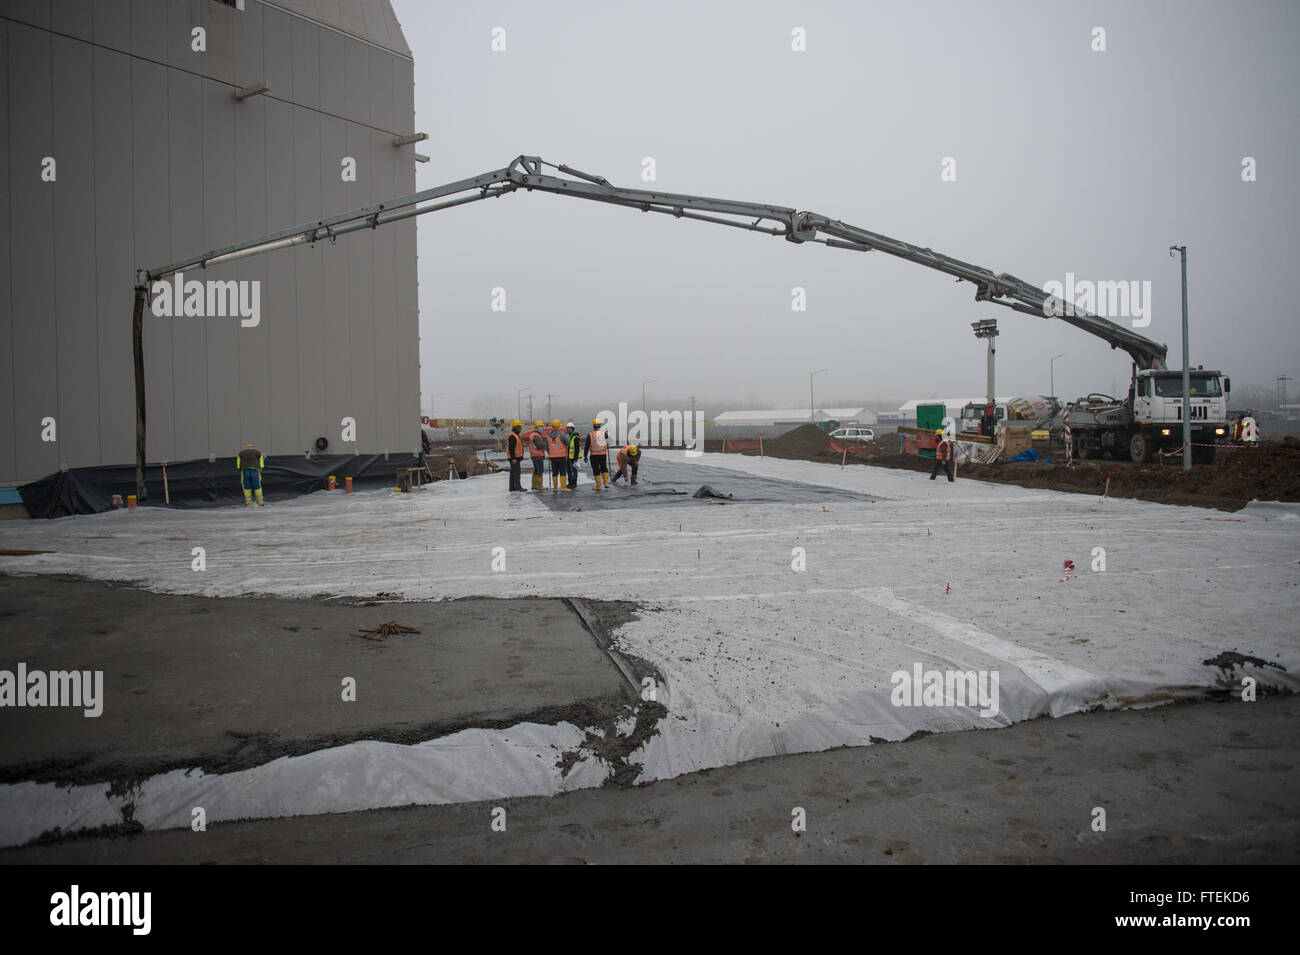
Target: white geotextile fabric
pixel 759 658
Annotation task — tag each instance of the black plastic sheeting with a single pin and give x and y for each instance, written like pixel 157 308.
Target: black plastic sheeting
pixel 674 482
pixel 202 483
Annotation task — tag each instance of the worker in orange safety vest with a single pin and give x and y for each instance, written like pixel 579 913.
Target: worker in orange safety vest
pixel 942 455
pixel 630 455
pixel 557 449
pixel 535 442
pixel 596 450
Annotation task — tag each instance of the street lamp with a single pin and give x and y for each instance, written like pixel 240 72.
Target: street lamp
pixel 812 405
pixel 1187 372
pixel 644 406
pixel 1051 368
pixel 518 405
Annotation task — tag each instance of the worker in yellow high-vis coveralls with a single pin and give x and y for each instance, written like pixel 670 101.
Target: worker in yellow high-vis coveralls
pixel 249 464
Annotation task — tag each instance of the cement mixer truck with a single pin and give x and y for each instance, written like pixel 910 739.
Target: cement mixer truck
pixel 1031 411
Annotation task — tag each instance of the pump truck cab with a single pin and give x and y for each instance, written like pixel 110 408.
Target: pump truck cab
pixel 1150 418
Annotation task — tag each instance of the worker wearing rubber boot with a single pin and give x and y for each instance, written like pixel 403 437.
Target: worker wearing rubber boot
pixel 515 453
pixel 249 463
pixel 573 442
pixel 629 457
pixel 596 450
pixel 942 455
pixel 557 449
pixel 535 441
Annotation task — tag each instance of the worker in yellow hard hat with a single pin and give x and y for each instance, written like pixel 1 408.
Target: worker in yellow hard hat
pixel 942 455
pixel 557 449
pixel 535 442
pixel 515 453
pixel 596 449
pixel 629 456
pixel 249 462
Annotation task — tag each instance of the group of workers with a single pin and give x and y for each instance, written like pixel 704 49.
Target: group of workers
pixel 565 447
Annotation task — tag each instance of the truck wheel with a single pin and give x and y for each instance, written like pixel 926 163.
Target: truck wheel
pixel 1080 452
pixel 1140 448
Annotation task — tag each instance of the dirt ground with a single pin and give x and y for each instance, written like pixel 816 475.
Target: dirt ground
pixel 1268 473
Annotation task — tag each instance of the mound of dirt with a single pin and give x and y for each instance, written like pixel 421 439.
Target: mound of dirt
pixel 804 443
pixel 1268 473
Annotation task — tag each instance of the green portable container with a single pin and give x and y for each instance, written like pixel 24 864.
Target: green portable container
pixel 929 418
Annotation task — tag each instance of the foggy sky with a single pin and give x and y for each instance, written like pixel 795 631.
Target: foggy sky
pixel 1067 160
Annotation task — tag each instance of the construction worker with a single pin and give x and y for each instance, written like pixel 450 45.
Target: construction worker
pixel 249 464
pixel 573 442
pixel 557 449
pixel 942 455
pixel 535 440
pixel 596 449
pixel 515 453
pixel 630 455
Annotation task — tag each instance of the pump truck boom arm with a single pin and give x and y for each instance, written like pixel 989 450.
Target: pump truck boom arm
pixel 526 172
pixel 795 226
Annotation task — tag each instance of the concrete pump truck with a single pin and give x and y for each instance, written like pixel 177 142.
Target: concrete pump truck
pixel 1147 420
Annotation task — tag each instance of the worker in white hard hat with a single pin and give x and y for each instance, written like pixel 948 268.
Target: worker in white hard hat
pixel 573 443
pixel 596 449
pixel 942 455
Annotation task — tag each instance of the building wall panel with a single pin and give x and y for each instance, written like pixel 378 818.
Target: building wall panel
pixel 308 275
pixel 189 393
pixel 75 288
pixel 143 161
pixel 32 248
pixel 251 220
pixel 7 359
pixel 148 23
pixel 221 333
pixel 279 301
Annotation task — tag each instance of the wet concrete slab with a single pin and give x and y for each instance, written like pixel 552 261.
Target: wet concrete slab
pixel 668 483
pixel 225 684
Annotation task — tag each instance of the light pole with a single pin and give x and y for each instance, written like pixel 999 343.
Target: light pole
pixel 812 404
pixel 1051 368
pixel 549 396
pixel 1187 371
pixel 988 328
pixel 530 406
pixel 518 405
pixel 645 407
